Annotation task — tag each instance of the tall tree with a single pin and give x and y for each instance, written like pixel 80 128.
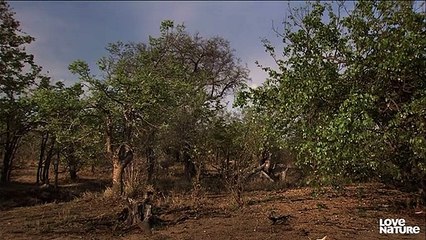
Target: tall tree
pixel 169 84
pixel 17 74
pixel 348 90
pixel 133 99
pixel 213 71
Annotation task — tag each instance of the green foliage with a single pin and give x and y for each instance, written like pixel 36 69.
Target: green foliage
pixel 18 73
pixel 164 94
pixel 64 114
pixel 348 95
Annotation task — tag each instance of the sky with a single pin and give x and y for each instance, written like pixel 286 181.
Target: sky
pixel 70 30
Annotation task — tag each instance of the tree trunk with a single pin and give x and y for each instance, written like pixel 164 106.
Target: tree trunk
pixel 73 172
pixel 5 175
pixel 43 145
pixel 56 168
pixel 47 162
pixel 7 161
pixel 150 158
pixel 10 149
pixel 72 164
pixel 189 166
pixel 108 138
pixel 117 177
pixel 139 213
pixel 122 157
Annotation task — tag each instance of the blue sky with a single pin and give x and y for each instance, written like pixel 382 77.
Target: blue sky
pixel 66 31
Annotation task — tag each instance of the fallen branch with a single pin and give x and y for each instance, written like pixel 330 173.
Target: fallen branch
pixel 267 176
pixel 254 171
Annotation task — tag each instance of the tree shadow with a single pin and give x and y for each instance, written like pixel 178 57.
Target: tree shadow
pixel 17 194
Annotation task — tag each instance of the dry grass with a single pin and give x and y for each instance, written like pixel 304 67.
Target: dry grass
pixel 351 213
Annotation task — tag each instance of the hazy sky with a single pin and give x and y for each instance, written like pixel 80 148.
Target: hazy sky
pixel 66 31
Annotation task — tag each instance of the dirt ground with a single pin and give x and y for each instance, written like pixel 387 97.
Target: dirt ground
pixel 352 213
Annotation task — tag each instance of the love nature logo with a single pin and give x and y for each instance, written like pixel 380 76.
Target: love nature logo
pixel 396 226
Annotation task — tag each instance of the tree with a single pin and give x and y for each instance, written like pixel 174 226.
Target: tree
pixel 128 101
pixel 67 127
pixel 347 93
pixel 167 85
pixel 211 70
pixel 17 75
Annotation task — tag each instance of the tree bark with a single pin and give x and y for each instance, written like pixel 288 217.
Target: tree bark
pixel 122 158
pixel 73 172
pixel 43 144
pixel 48 161
pixel 72 164
pixel 150 158
pixel 189 166
pixel 139 213
pixel 108 138
pixel 56 168
pixel 117 177
pixel 10 150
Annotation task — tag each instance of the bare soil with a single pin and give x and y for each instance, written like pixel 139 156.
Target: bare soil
pixel 88 213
